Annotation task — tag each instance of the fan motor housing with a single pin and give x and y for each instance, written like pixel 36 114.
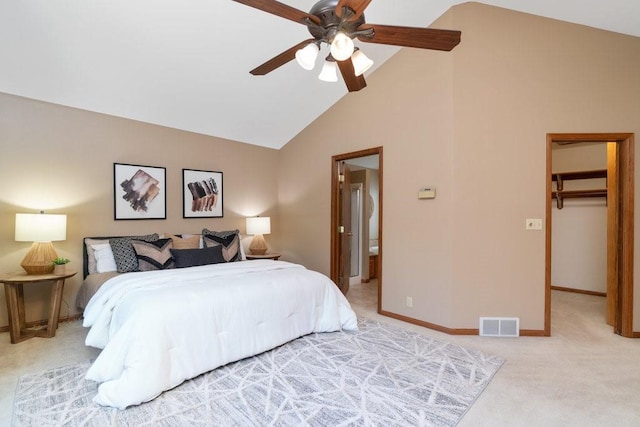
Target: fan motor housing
pixel 330 23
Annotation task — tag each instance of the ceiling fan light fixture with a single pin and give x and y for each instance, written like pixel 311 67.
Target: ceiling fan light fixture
pixel 342 46
pixel 329 72
pixel 306 57
pixel 361 62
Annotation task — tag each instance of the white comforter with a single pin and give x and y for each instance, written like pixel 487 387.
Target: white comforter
pixel 159 328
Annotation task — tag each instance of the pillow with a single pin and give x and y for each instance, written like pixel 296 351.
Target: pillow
pixel 124 254
pixel 194 257
pixel 105 261
pixel 229 240
pixel 243 255
pixel 192 242
pixel 154 255
pixel 91 259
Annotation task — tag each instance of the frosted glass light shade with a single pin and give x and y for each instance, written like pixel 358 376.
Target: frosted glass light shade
pixel 361 62
pixel 40 227
pixel 341 46
pixel 259 225
pixel 329 72
pixel 306 57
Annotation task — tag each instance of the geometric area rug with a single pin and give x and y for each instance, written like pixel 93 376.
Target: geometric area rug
pixel 380 375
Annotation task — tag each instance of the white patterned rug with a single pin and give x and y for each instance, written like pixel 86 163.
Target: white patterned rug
pixel 381 375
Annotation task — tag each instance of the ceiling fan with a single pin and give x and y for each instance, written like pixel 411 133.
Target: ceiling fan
pixel 336 23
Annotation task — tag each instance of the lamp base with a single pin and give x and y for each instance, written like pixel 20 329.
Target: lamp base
pixel 38 259
pixel 258 245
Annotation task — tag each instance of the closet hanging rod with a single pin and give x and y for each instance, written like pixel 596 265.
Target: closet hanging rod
pixel 559 177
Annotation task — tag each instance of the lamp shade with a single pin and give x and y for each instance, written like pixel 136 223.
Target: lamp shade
pixel 306 57
pixel 341 47
pixel 329 72
pixel 361 62
pixel 40 227
pixel 259 225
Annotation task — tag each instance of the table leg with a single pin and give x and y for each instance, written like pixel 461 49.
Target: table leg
pixel 54 310
pixel 15 303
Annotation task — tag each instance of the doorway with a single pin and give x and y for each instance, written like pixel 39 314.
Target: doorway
pixel 361 166
pixel 357 227
pixel 620 172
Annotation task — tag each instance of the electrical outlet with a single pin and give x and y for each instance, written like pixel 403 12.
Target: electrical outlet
pixel 409 302
pixel 533 224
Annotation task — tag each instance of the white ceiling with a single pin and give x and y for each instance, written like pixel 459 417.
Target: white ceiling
pixel 185 64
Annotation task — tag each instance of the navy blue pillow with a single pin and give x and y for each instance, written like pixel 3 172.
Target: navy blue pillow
pixel 194 257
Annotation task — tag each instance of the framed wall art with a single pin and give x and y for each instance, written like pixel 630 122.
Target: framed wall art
pixel 139 192
pixel 202 194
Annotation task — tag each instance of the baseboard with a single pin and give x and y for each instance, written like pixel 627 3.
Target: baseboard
pixel 579 291
pixel 38 323
pixel 454 331
pixel 533 333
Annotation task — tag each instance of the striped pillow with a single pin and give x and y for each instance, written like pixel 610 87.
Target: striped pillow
pixel 153 255
pixel 229 240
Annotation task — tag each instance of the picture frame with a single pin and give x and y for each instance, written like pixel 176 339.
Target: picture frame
pixel 202 194
pixel 139 192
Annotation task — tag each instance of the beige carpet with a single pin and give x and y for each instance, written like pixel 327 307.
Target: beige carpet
pixel 583 375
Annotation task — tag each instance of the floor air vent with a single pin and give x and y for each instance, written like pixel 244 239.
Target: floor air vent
pixel 499 326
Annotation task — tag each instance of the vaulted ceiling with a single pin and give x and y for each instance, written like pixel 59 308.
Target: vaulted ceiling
pixel 185 64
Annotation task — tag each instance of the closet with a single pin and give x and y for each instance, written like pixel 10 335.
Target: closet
pixel 560 194
pixel 579 218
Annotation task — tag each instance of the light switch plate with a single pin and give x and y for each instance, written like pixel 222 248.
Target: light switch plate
pixel 427 193
pixel 533 224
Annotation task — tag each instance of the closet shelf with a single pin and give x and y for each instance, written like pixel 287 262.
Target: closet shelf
pixel 560 177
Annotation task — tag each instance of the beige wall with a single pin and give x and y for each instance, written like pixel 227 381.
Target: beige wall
pixel 472 123
pixel 61 160
pixel 407 109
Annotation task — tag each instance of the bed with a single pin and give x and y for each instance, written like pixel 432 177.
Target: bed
pixel 160 327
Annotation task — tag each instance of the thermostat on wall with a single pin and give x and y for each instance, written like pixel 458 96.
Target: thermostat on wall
pixel 427 193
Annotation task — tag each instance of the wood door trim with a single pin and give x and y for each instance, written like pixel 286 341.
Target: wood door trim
pixel 626 177
pixel 626 165
pixel 613 215
pixel 335 215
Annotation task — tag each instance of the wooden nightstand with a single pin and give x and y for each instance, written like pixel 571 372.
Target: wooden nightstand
pixel 265 256
pixel 14 293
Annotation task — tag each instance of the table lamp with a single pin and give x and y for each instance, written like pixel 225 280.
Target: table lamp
pixel 257 226
pixel 41 229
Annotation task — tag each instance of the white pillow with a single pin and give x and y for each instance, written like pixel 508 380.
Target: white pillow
pixel 104 258
pixel 91 258
pixel 243 255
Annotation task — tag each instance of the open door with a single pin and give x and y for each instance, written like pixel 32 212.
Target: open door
pixel 344 227
pixel 613 236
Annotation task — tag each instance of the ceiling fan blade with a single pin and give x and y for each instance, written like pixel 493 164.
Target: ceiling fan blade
pixel 358 6
pixel 279 60
pixel 280 9
pixel 423 38
pixel 354 83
